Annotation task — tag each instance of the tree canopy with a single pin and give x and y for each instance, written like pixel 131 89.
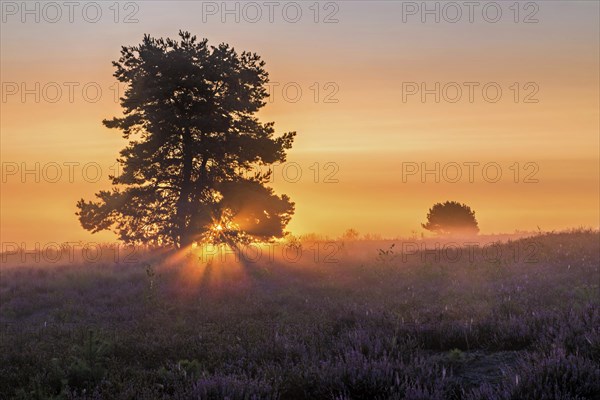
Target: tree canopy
pixel 451 218
pixel 192 169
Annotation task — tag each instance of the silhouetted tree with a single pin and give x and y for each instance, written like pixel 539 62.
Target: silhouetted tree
pixel 191 171
pixel 350 235
pixel 451 218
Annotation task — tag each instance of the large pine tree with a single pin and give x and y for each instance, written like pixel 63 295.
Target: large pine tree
pixel 189 172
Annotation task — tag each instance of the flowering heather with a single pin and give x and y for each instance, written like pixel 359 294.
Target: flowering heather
pixel 363 327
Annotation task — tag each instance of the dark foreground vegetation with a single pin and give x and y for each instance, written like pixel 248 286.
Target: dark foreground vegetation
pixel 373 325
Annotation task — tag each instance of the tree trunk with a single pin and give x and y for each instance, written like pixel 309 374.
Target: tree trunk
pixel 183 203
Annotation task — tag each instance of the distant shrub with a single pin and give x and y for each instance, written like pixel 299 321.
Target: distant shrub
pixel 451 218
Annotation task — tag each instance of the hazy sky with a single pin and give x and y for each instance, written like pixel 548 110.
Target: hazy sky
pixel 361 119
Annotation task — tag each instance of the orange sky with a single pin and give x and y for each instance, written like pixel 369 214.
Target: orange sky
pixel 363 139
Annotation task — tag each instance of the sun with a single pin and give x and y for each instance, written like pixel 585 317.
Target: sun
pixel 218 230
